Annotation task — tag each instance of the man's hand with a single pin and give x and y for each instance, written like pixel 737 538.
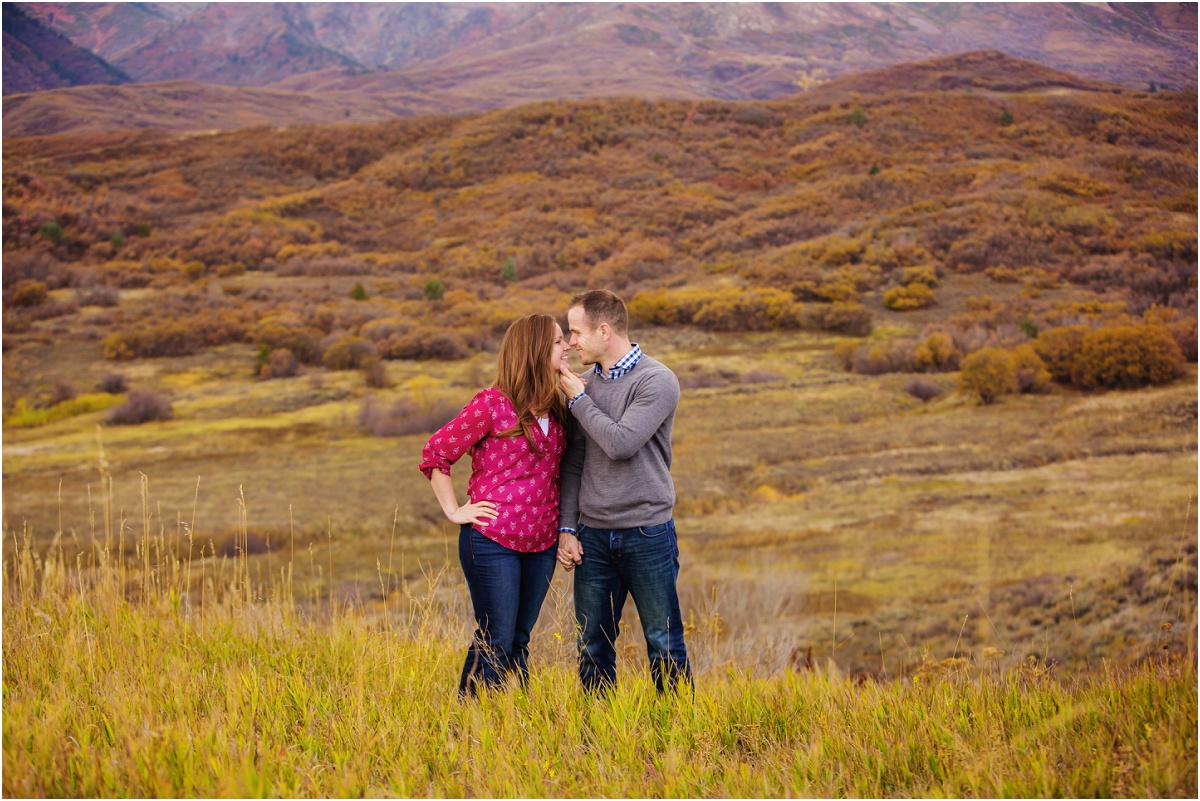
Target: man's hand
pixel 477 514
pixel 570 382
pixel 570 551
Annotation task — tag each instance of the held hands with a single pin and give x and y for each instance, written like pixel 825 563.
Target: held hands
pixel 570 551
pixel 570 382
pixel 477 514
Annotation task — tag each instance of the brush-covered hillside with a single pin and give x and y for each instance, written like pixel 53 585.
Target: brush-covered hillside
pixel 849 208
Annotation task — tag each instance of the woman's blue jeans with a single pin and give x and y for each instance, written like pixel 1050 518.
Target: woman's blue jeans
pixel 507 590
pixel 616 563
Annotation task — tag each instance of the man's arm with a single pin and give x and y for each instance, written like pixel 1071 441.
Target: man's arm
pixel 570 478
pixel 653 403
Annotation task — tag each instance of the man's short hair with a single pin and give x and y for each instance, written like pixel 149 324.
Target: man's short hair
pixel 601 306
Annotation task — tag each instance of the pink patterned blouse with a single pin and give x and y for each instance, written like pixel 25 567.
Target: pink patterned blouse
pixel 504 470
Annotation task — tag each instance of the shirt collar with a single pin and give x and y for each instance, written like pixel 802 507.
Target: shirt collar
pixel 623 365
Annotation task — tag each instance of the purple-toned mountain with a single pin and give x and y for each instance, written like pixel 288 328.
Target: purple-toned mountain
pixel 368 61
pixel 36 57
pixel 702 49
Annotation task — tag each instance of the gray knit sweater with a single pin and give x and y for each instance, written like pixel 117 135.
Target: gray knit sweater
pixel 616 472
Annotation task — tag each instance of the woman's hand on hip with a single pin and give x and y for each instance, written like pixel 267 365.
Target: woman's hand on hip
pixel 477 514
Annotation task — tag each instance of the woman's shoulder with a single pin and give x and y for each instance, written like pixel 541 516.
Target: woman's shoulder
pixel 493 398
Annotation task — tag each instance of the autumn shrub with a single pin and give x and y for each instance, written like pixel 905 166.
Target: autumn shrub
pixel 424 343
pixel 844 353
pixel 653 307
pixel 278 363
pixel 1181 327
pixel 922 388
pixel 62 390
pixel 1031 372
pixel 851 319
pixel 404 416
pixel 937 353
pixel 925 274
pixel 29 293
pixel 749 310
pixel 303 340
pixel 375 374
pixel 1058 349
pixel 156 339
pixel 142 406
pixel 895 356
pixel 113 383
pixel 1175 245
pixel 987 374
pixel 908 298
pixel 348 353
pixel 1127 357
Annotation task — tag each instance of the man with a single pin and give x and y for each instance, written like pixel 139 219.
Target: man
pixel 615 518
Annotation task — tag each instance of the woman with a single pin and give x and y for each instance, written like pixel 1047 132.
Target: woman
pixel 509 525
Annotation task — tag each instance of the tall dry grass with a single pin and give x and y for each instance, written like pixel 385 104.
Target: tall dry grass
pixel 149 667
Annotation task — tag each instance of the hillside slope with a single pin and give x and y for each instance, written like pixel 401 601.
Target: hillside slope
pixel 37 58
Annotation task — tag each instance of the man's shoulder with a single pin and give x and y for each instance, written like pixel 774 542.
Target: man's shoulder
pixel 655 372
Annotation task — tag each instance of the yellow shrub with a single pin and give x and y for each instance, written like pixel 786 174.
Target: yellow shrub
pixel 987 374
pixel 908 298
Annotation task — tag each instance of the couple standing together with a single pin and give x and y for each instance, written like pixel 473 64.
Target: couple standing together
pixel 571 470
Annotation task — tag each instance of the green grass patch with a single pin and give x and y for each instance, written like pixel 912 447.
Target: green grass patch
pixel 26 416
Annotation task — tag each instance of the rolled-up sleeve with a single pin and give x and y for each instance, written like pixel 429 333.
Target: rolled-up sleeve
pixel 457 437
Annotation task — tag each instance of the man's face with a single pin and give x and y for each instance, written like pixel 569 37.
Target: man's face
pixel 588 341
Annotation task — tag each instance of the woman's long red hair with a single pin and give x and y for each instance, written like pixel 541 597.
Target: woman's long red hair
pixel 525 376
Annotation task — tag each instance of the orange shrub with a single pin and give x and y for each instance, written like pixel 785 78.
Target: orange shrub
pixel 1126 357
pixel 853 319
pixel 1058 349
pixel 426 343
pixel 349 353
pixel 1030 370
pixel 164 339
pixel 29 293
pixel 937 354
pixel 302 340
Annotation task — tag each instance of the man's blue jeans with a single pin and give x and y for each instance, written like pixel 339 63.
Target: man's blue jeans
pixel 643 562
pixel 507 590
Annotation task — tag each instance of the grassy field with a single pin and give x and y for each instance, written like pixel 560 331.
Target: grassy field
pixel 884 597
pixel 817 508
pixel 159 696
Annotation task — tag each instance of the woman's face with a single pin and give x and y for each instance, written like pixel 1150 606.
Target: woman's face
pixel 558 353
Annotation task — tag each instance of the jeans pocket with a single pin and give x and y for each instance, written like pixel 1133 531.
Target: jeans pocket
pixel 651 532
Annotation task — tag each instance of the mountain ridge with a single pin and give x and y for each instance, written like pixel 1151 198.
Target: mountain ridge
pixel 37 57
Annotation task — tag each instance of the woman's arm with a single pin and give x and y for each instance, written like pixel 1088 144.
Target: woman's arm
pixel 477 514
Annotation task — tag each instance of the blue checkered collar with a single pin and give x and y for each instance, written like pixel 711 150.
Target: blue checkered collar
pixel 624 364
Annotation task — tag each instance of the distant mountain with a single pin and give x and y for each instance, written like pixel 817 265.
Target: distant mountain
pixel 700 49
pixel 190 106
pixel 37 58
pixel 368 61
